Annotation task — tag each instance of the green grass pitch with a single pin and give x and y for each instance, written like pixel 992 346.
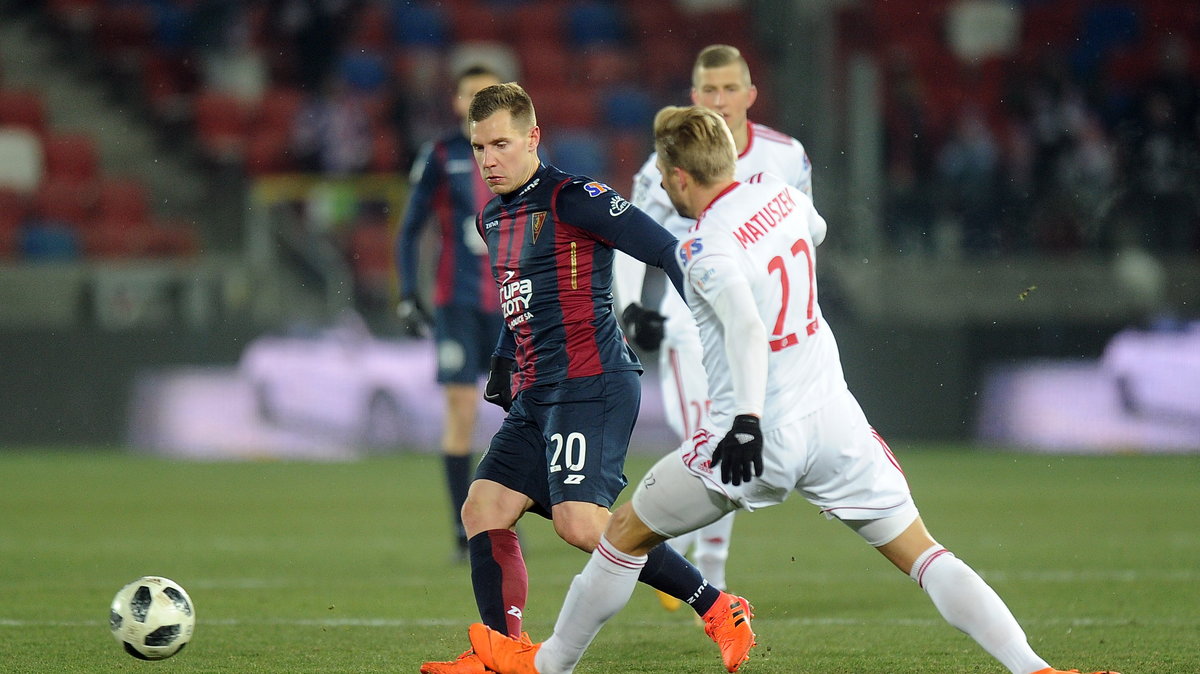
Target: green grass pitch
pixel 344 567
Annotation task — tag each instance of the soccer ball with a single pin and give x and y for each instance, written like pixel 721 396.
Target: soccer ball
pixel 152 617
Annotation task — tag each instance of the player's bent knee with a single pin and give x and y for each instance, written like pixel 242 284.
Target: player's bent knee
pixel 580 524
pixel 885 529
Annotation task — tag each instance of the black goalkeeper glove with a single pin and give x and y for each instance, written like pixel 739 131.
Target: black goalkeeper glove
pixel 414 319
pixel 643 326
pixel 498 390
pixel 740 451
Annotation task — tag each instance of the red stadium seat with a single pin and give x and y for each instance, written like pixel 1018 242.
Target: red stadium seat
pixel 546 65
pixel 222 124
pixel 65 200
pixel 473 21
pixel 71 156
pixel 122 201
pixel 23 108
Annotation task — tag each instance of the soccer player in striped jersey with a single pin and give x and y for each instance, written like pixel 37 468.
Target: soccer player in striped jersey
pixel 782 418
pixel 563 371
pixel 446 184
pixel 720 82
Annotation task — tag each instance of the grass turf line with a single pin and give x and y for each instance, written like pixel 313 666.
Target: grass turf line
pixel 344 567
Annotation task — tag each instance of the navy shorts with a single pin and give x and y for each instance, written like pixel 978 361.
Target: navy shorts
pixel 465 337
pixel 566 441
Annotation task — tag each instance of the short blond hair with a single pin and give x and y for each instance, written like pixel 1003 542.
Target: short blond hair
pixel 696 140
pixel 719 56
pixel 508 96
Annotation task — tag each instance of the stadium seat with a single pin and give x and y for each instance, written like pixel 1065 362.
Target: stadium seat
pixel 474 21
pixel 567 106
pixel 538 22
pixel 606 64
pixel 24 108
pixel 269 151
pixel 421 24
pixel 591 22
pixel 545 65
pixel 48 242
pixel 15 206
pixel 222 122
pixel 628 107
pixel 124 32
pixel 65 200
pixel 578 151
pixel 71 156
pixel 371 29
pixel 22 159
pixel 122 201
pixel 278 108
pixel 168 81
pixel 363 72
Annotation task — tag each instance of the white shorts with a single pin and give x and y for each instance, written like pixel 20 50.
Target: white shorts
pixel 832 457
pixel 681 374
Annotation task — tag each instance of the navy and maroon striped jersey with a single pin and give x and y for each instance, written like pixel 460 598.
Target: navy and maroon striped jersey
pixel 445 182
pixel 551 245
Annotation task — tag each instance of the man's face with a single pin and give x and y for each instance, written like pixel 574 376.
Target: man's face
pixel 505 152
pixel 671 184
pixel 724 91
pixel 467 88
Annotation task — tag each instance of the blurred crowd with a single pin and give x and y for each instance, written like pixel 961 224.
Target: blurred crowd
pixel 1085 139
pixel 1008 126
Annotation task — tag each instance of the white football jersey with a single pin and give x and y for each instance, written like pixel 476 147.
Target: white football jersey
pixel 761 230
pixel 768 151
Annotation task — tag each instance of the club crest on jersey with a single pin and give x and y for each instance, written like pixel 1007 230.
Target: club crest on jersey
pixel 690 249
pixel 617 206
pixel 595 189
pixel 538 220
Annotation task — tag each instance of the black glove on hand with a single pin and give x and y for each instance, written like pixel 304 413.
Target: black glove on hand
pixel 498 390
pixel 414 319
pixel 740 450
pixel 643 326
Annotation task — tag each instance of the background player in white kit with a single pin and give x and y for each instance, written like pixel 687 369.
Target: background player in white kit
pixel 780 405
pixel 720 82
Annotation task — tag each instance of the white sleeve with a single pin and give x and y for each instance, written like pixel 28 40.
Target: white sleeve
pixel 817 227
pixel 629 275
pixel 803 179
pixel 720 284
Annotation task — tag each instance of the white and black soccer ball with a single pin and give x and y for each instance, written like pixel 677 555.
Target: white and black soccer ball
pixel 152 617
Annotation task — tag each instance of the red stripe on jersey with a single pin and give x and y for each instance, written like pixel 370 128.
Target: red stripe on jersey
pixel 489 299
pixel 574 253
pixel 508 259
pixel 444 209
pixel 673 354
pixel 767 133
pixel 727 190
pixel 887 450
pixel 749 139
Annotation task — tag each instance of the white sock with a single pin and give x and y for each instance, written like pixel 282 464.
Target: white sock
pixel 969 604
pixel 712 550
pixel 597 594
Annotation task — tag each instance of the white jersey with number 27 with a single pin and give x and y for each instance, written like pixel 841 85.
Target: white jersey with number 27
pixel 760 232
